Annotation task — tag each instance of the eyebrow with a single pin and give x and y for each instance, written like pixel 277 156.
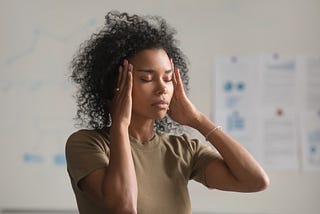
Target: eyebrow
pixel 151 70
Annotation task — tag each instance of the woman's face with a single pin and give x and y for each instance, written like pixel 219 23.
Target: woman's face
pixel 152 84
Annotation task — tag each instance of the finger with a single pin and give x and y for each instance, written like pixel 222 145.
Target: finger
pixel 129 79
pixel 179 80
pixel 179 86
pixel 173 72
pixel 124 74
pixel 120 73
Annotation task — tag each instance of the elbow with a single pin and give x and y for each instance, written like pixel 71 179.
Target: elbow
pixel 124 210
pixel 261 183
pixel 265 182
pixel 120 201
pixel 120 208
pixel 256 183
pixel 123 202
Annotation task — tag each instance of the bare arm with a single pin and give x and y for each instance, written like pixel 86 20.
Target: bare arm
pixel 116 186
pixel 236 169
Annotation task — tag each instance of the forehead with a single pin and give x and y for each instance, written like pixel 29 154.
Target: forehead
pixel 151 58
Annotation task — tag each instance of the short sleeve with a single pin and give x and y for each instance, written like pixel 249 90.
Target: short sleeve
pixel 203 154
pixel 86 151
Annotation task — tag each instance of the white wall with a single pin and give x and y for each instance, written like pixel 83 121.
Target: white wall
pixel 38 39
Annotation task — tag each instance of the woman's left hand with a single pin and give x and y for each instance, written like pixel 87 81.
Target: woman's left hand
pixel 181 109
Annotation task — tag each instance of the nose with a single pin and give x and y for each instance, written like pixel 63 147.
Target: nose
pixel 162 90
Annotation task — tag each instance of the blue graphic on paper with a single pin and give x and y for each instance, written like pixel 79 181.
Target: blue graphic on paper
pixel 314 146
pixel 59 159
pixel 33 158
pixel 235 122
pixel 233 90
pixel 232 101
pixel 230 86
pixel 241 86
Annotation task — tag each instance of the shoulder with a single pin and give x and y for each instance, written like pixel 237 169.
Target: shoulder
pixel 87 137
pixel 85 132
pixel 182 141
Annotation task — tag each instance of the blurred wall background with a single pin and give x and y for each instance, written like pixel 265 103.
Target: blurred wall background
pixel 38 39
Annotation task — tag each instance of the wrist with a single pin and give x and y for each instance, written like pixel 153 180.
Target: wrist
pixel 197 121
pixel 214 129
pixel 204 125
pixel 119 129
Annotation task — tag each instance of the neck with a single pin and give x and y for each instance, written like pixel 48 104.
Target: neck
pixel 141 130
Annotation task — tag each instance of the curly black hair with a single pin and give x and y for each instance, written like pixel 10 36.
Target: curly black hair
pixel 95 65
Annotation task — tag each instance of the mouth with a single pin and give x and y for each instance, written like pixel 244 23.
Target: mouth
pixel 161 104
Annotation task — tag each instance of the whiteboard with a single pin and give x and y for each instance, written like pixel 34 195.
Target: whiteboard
pixel 38 40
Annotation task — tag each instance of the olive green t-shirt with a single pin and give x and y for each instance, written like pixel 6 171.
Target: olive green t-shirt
pixel 163 165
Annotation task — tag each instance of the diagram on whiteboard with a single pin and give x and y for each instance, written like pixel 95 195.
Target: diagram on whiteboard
pixel 37 111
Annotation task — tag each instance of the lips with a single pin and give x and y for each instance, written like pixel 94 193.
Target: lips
pixel 160 104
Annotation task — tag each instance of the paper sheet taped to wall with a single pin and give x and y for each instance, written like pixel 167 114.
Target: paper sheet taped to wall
pixel 263 100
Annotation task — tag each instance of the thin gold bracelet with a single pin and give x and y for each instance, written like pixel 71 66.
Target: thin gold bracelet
pixel 212 130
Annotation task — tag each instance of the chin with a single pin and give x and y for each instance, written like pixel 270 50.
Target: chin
pixel 161 116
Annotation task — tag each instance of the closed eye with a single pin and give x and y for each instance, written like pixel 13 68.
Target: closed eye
pixel 168 77
pixel 145 80
pixel 168 80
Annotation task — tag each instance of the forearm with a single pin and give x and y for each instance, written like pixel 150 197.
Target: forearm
pixel 244 168
pixel 120 183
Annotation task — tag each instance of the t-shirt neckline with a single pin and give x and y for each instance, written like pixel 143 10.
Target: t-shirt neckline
pixel 150 144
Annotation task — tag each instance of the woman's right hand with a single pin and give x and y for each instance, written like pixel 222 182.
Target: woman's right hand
pixel 121 106
pixel 115 186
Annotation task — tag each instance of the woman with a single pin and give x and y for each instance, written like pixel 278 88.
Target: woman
pixel 131 75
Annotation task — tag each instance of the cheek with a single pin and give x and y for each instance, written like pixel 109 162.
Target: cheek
pixel 140 91
pixel 170 91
